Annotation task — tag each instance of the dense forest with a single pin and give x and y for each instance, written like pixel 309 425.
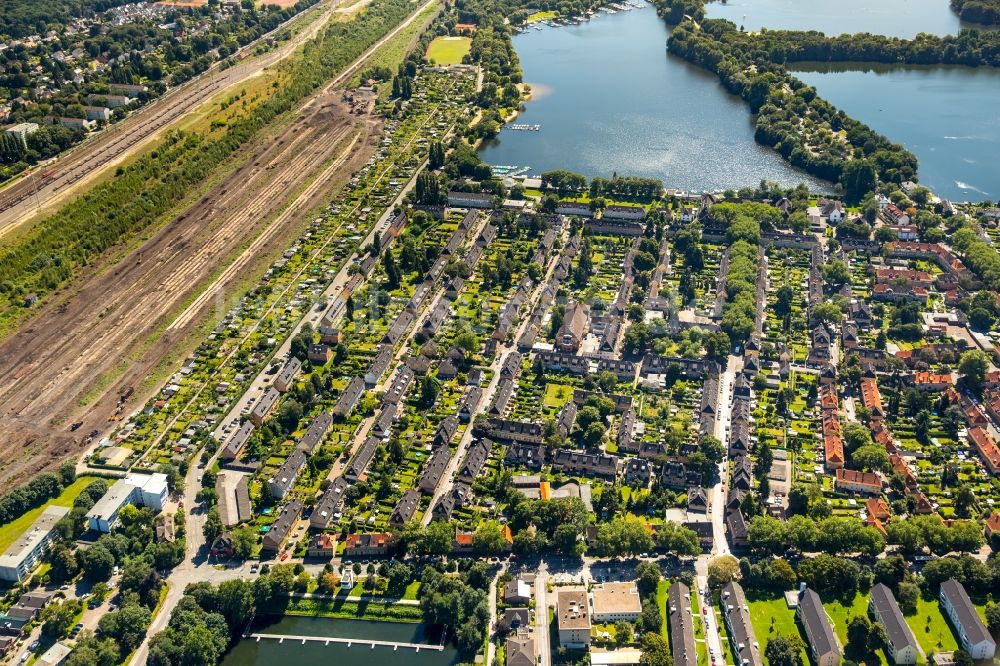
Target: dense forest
pixel 58 247
pixel 978 11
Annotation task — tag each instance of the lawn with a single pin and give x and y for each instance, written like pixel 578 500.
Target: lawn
pixel 931 628
pixel 772 618
pixel 841 614
pixel 661 602
pixel 11 531
pixel 541 16
pixel 557 395
pixel 449 50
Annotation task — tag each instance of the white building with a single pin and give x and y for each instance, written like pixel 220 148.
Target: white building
pixel 973 635
pixel 574 619
pixel 616 602
pixel 149 490
pixel 22 130
pixel 20 559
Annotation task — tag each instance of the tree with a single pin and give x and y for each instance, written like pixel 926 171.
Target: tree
pixel 675 538
pixel 655 650
pixel 859 177
pixel 872 458
pixel 647 577
pixel 836 273
pixel 213 526
pixel 624 536
pixel 244 540
pixel 127 626
pixel 908 594
pixel 784 651
pixel 826 312
pixel 58 617
pixel 993 616
pixel 438 538
pixel 723 569
pixel 97 562
pixel 488 538
pixel 624 633
pixel 973 367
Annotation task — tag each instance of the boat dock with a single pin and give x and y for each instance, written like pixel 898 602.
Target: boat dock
pixel 325 640
pixel 523 127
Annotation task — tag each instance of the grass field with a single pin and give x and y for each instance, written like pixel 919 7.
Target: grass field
pixel 541 16
pixel 448 50
pixel 12 530
pixel 772 618
pixel 931 628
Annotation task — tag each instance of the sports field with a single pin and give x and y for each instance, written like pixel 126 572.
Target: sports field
pixel 448 50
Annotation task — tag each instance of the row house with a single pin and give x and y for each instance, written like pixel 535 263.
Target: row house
pixel 564 362
pixel 506 430
pixel 470 404
pixel 349 399
pixel 376 544
pixel 622 403
pixel 475 460
pixel 362 459
pixel 434 470
pixel 872 399
pixel 626 433
pixel 524 454
pixel 566 418
pixel 315 433
pixel 676 475
pixel 986 447
pixel 400 384
pixel 853 481
pixel 590 464
pixel 330 504
pixel 405 509
pixel 445 431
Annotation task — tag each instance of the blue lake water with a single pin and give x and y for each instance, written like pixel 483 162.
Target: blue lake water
pixel 610 99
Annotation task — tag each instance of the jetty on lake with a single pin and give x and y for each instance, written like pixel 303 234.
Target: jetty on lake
pixel 327 640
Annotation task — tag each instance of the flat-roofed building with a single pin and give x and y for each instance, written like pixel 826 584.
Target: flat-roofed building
pixel 823 643
pixel 573 611
pixel 20 558
pixel 681 625
pixel 149 490
pixel 901 645
pixel 616 602
pixel 972 634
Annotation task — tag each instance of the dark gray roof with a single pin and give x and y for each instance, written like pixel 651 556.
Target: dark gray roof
pixel 975 630
pixel 887 611
pixel 740 629
pixel 817 624
pixel 681 625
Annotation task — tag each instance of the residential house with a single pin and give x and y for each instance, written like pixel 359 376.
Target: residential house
pixel 434 470
pixel 405 509
pixel 375 544
pixel 265 405
pixel 322 546
pixel 284 478
pixel 282 527
pixel 972 634
pixel 361 460
pixel 853 481
pixel 736 614
pixel 349 399
pixel 823 644
pixel 901 645
pixel 681 622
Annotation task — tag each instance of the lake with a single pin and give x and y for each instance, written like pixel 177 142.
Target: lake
pixel 270 652
pixel 946 115
pixel 897 18
pixel 609 99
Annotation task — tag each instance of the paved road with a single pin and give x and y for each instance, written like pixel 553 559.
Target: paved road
pixel 542 616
